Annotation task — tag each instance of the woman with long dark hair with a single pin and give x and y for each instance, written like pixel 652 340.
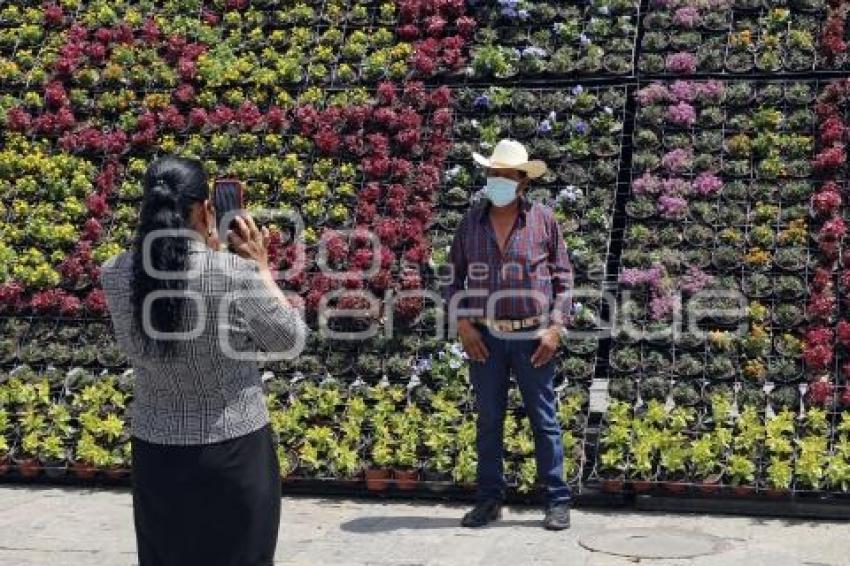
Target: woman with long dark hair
pixel 206 484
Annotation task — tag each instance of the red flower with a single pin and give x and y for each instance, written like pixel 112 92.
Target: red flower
pixel 222 116
pixel 832 130
pixel 401 168
pixel 826 202
pixel 45 301
pixel 466 26
pixel 55 95
pixel 379 144
pixel 845 396
pixel 103 35
pixel 408 308
pixel 275 118
pixel 830 158
pixel 820 392
pixel 53 15
pixel 418 254
pixel 408 32
pixel 210 18
pixel 187 69
pixel 821 305
pixel 10 295
pixel 386 117
pixel 362 259
pixel 408 119
pixel 96 302
pixel 819 335
pixel 380 282
pixel 184 94
pixel 435 25
pixel 335 244
pixel 371 192
pixel 415 94
pixel 249 115
pixel 821 278
pixel 376 168
pixel 96 52
pixel 306 116
pixel 387 257
pixel 70 305
pixel 327 140
pixel 18 119
pixel 172 119
pixel 355 117
pixel 410 280
pixel 366 212
pixel 442 118
pixel 386 93
pixel 92 230
pixel 817 357
pixel 198 118
pixel 97 205
pixel 389 231
pixel 150 31
pixel 833 229
pixel 408 139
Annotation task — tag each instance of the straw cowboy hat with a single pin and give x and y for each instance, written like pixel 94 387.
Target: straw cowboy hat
pixel 510 154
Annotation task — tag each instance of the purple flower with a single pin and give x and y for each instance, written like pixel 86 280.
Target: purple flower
pixel 675 187
pixel 678 160
pixel 656 92
pixel 711 91
pixel 672 207
pixel 482 102
pixel 662 306
pixel 682 114
pixel 581 127
pixel 533 52
pixel 687 17
pixel 684 90
pixel 681 63
pixel 695 280
pixel 646 184
pixel 544 127
pixel 707 184
pixel 577 90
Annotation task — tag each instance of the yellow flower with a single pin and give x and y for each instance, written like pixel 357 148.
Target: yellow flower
pixel 757 257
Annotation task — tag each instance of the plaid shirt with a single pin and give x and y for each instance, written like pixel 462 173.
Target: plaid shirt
pixel 199 394
pixel 535 260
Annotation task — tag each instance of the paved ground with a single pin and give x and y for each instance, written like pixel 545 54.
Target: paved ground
pixel 53 527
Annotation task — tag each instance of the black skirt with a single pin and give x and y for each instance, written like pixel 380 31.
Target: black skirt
pixel 211 505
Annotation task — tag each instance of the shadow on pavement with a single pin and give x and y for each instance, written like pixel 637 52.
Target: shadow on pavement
pixel 393 523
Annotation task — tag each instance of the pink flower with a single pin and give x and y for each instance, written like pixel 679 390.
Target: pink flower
pixel 682 114
pixel 678 160
pixel 684 63
pixel 96 302
pixel 662 306
pixel 687 17
pixel 675 187
pixel 684 90
pixel 695 280
pixel 707 184
pixel 652 94
pixel 710 91
pixel 672 207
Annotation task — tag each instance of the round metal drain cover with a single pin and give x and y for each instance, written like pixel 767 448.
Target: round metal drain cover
pixel 653 543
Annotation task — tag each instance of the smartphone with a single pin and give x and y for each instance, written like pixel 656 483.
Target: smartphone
pixel 228 198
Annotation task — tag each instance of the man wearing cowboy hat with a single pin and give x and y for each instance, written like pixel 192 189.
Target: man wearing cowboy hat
pixel 510 296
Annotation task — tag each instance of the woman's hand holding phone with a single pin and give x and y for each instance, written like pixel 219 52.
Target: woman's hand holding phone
pixel 248 241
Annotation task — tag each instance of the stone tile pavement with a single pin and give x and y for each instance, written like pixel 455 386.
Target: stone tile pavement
pixel 77 527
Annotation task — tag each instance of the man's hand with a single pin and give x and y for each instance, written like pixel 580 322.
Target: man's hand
pixel 472 341
pixel 550 339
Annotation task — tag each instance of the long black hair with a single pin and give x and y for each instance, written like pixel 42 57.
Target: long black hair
pixel 171 186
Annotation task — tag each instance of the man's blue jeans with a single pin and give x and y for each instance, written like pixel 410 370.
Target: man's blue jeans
pixel 490 383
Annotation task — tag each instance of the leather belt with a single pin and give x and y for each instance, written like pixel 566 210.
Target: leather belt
pixel 510 325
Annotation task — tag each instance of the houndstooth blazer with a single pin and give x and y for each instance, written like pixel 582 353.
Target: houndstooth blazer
pixel 209 389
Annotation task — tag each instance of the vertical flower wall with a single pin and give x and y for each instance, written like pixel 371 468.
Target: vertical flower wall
pixel 721 197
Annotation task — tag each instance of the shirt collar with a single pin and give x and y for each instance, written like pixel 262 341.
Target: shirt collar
pixel 524 207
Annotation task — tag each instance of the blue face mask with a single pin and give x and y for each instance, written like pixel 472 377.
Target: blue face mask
pixel 500 191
